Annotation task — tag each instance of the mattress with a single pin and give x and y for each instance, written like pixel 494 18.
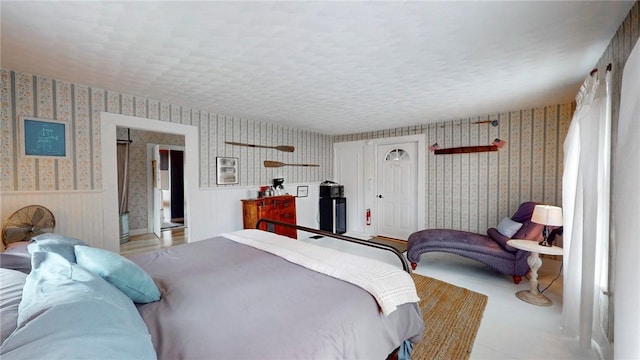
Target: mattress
pixel 223 299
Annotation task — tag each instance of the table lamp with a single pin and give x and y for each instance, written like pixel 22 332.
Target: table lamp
pixel 547 215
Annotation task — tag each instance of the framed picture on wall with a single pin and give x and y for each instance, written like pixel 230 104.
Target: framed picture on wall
pixel 226 170
pixel 303 190
pixel 42 138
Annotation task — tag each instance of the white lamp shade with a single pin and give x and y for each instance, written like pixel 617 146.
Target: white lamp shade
pixel 547 215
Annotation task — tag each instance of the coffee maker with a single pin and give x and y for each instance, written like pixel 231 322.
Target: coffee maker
pixel 278 189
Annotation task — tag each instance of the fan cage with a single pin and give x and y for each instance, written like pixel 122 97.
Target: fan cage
pixel 27 222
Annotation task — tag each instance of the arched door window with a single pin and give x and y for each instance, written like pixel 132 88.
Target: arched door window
pixel 397 155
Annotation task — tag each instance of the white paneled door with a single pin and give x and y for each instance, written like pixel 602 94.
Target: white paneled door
pixel 396 189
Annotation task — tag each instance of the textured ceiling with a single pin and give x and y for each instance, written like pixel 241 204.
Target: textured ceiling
pixel 329 67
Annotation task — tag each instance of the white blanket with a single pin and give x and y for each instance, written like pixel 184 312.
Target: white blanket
pixel 389 285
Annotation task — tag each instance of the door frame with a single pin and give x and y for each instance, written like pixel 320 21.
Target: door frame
pixel 152 211
pixel 420 175
pixel 108 124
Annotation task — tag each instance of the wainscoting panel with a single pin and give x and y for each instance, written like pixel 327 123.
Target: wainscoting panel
pixel 224 213
pixel 78 213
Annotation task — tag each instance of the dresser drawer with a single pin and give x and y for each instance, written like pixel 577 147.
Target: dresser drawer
pixel 286 204
pixel 280 208
pixel 287 216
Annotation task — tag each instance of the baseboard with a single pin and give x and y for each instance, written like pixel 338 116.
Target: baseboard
pixel 138 231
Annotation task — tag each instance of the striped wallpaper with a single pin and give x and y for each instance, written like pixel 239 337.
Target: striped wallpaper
pixel 616 54
pixel 80 105
pixel 474 191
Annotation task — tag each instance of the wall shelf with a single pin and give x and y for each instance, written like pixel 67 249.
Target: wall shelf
pixel 466 149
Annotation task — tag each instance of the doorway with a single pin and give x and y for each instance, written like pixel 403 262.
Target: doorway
pixel 165 188
pixel 193 196
pixel 396 189
pixel 356 166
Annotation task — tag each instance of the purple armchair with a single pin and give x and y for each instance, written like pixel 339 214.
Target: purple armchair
pixel 490 249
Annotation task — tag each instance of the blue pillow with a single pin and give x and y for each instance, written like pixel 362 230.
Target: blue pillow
pixel 67 312
pixel 508 227
pixel 57 243
pixel 119 271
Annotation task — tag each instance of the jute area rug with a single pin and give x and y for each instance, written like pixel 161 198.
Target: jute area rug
pixel 451 318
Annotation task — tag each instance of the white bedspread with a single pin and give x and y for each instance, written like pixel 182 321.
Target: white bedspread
pixel 389 285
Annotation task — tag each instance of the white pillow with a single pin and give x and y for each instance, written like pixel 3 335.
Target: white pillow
pixel 508 227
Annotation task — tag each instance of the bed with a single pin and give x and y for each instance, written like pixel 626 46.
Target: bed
pixel 241 295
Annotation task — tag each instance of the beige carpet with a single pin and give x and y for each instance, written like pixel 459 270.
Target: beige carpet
pixel 451 317
pixel 399 245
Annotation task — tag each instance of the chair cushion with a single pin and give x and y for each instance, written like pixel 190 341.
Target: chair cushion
pixel 450 239
pixel 529 231
pixel 524 212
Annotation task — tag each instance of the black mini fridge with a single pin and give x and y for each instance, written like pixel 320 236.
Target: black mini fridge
pixel 333 214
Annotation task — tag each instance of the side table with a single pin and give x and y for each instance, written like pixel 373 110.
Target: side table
pixel 533 296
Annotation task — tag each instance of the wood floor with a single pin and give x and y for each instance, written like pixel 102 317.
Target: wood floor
pixel 148 242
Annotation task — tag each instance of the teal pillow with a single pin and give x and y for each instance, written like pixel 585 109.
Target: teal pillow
pixel 57 243
pixel 120 272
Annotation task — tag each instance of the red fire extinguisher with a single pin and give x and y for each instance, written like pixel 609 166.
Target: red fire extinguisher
pixel 368 216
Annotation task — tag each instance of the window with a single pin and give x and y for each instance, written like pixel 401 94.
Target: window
pixel 397 155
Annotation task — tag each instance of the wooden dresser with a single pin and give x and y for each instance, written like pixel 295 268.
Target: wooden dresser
pixel 281 208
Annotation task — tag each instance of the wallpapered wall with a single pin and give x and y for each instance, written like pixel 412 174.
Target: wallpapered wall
pixel 80 105
pixel 469 191
pixel 474 191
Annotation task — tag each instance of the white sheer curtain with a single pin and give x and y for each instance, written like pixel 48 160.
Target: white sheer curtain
pixel 626 219
pixel 585 202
